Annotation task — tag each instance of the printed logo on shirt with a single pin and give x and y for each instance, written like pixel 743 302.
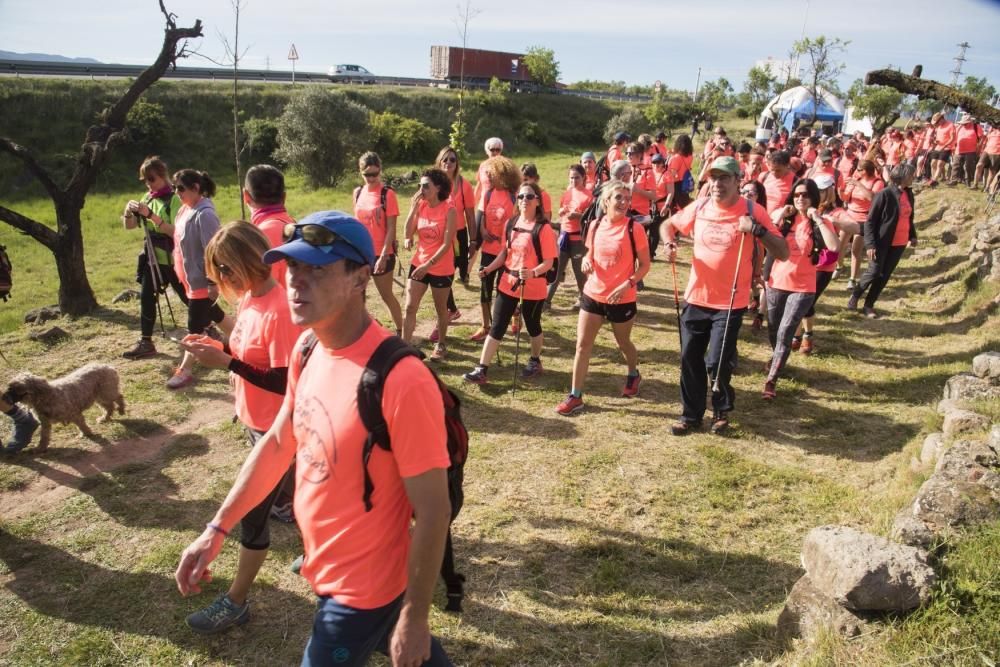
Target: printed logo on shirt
pixel 716 237
pixel 607 257
pixel 315 457
pixel 371 218
pixel 429 232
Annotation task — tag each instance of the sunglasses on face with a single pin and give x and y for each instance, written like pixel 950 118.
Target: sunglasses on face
pixel 797 195
pixel 495 150
pixel 318 236
pixel 619 198
pixel 424 185
pixel 748 193
pixel 527 196
pixel 450 158
pixel 371 174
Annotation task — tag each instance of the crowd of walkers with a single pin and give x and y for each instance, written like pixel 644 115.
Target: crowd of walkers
pixel 770 226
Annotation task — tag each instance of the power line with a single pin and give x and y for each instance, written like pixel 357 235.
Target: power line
pixel 959 59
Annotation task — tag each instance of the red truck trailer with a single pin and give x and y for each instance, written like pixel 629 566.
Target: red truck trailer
pixel 480 66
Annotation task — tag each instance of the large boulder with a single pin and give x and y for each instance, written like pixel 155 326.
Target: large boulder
pixel 958 422
pixel 987 365
pixel 968 387
pixel 808 611
pixel 864 572
pixel 930 452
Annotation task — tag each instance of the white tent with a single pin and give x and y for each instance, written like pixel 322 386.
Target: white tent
pixel 796 104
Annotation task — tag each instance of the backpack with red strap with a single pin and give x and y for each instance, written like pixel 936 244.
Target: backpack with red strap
pixel 389 352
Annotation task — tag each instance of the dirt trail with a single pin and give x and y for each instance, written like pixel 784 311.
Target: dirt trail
pixel 57 479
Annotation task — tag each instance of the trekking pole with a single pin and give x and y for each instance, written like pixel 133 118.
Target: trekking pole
pixel 729 314
pixel 154 274
pixel 517 340
pixel 677 298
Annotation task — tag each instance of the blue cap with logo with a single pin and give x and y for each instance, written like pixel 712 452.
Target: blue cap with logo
pixel 351 241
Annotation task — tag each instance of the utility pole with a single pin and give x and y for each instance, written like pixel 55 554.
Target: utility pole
pixel 697 85
pixel 959 59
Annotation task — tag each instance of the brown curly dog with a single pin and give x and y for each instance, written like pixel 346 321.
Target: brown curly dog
pixel 64 400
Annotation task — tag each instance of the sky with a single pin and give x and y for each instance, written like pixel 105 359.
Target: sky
pixel 636 41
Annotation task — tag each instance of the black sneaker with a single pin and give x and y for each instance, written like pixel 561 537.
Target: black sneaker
pixel 477 375
pixel 283 513
pixel 532 369
pixel 144 348
pixel 219 616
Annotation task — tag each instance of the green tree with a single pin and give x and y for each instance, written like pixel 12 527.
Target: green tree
pixel 666 112
pixel 880 103
pixel 715 96
pixel 322 132
pixel 542 65
pixel 979 88
pixel 758 89
pixel 821 67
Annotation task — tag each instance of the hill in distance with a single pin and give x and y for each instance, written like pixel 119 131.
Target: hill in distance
pixel 45 57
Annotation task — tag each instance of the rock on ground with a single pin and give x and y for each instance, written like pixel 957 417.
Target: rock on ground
pixel 968 387
pixel 808 611
pixel 958 422
pixel 864 572
pixel 49 336
pixel 987 365
pixel 931 449
pixel 40 315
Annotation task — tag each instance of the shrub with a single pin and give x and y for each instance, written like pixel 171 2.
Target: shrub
pixel 322 133
pixel 400 139
pixel 147 125
pixel 630 120
pixel 260 139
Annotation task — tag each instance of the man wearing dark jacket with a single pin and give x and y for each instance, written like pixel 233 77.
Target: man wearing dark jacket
pixel 888 230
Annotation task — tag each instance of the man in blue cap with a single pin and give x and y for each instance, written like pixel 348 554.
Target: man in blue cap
pixel 374 575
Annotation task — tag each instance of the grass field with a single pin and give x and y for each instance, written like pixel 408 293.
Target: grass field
pixel 596 540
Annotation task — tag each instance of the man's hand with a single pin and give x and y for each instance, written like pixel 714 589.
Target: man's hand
pixel 871 254
pixel 745 224
pixel 193 570
pixel 410 645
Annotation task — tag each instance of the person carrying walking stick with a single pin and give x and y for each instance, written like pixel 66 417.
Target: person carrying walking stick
pixel 724 228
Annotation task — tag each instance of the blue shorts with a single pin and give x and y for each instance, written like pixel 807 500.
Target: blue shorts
pixel 344 635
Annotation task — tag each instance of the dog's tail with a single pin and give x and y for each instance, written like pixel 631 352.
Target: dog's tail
pixel 120 401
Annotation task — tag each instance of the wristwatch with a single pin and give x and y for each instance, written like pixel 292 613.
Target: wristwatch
pixel 758 230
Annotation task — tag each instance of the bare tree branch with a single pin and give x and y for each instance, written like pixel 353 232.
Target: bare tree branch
pixel 927 89
pixel 23 154
pixel 36 230
pixel 170 17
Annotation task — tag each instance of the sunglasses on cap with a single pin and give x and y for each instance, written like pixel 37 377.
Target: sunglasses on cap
pixel 317 236
pixel 527 196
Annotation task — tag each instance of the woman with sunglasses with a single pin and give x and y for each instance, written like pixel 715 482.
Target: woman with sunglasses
pixel 574 202
pixel 791 286
pixel 463 199
pixel 257 356
pixel 432 219
pixel 196 223
pixel 522 281
pixel 494 209
pixel 381 223
pixel 614 264
pixel 155 212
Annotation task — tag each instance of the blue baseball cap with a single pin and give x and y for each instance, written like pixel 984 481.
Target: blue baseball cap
pixel 355 242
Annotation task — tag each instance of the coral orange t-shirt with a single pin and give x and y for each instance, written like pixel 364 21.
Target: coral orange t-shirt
pixel 272 220
pixel 482 182
pixel 611 256
pixel 576 201
pixel 263 336
pixel 967 137
pixel 498 208
pixel 614 154
pixel 461 198
pixel 357 557
pixel 432 228
pixel 777 189
pixel 662 181
pixel 645 181
pixel 590 181
pixel 521 254
pixel 992 146
pixel 858 201
pixel 368 210
pixel 901 236
pixel 679 165
pixel 945 136
pixel 797 273
pixel 716 245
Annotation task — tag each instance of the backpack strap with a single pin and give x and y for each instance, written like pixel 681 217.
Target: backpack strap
pixel 536 241
pixel 357 194
pixel 383 196
pixel 631 240
pixel 308 345
pixel 508 232
pixel 388 353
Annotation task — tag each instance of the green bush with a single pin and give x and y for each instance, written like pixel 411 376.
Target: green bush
pixel 147 124
pixel 399 139
pixel 630 120
pixel 532 132
pixel 321 133
pixel 260 139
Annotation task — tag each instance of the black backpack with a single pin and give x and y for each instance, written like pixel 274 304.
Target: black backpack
pixel 390 352
pixel 382 197
pixel 6 277
pixel 550 275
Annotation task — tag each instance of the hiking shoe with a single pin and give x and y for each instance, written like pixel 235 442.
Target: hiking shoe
pixel 479 334
pixel 807 345
pixel 682 427
pixel 570 405
pixel 852 303
pixel 796 342
pixel 720 424
pixel 836 273
pixel 477 375
pixel 768 393
pixel 532 369
pixel 435 336
pixel 283 513
pixel 870 313
pixel 631 386
pixel 851 284
pixel 180 379
pixel 439 352
pixel 219 616
pixel 24 428
pixel 144 348
pixel 454 315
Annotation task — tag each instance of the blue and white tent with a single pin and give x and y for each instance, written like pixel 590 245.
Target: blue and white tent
pixel 796 104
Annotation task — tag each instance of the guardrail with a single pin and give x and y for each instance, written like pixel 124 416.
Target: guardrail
pixel 102 70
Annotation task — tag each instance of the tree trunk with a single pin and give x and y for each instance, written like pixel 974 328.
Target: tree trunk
pixel 75 294
pixel 926 89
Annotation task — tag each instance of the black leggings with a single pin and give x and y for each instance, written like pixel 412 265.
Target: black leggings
pixel 254 531
pixel 201 312
pixel 489 281
pixel 503 313
pixel 147 296
pixel 823 279
pixel 461 263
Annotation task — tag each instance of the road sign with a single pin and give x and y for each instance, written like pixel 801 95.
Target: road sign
pixel 658 86
pixel 293 54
